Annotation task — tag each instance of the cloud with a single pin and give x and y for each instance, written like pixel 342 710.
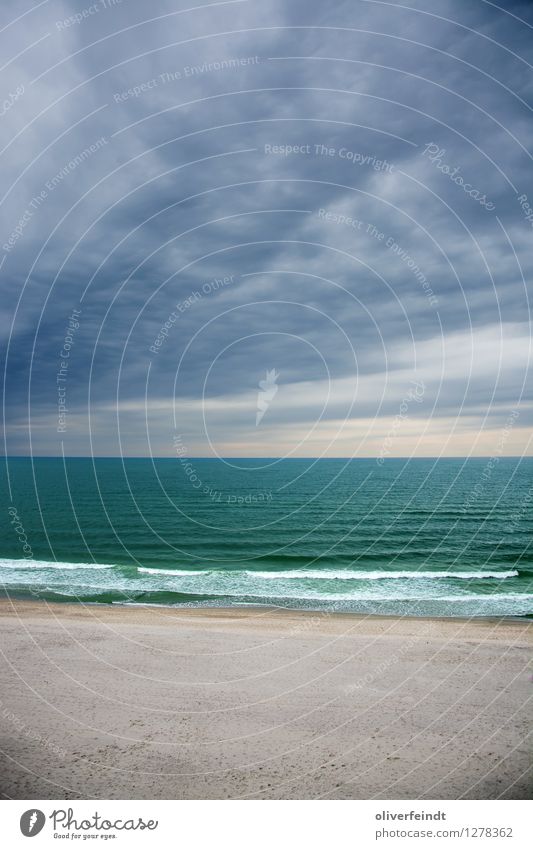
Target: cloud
pixel 153 152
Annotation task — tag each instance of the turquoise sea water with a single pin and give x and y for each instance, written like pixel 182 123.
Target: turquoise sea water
pixel 448 537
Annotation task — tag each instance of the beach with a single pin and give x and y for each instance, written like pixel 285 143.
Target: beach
pixel 133 702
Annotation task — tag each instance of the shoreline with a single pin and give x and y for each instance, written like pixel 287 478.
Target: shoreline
pixel 36 607
pixel 115 702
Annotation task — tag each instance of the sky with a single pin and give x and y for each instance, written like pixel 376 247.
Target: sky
pixel 263 229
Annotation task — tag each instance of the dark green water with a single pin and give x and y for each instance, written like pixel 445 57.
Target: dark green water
pixel 424 537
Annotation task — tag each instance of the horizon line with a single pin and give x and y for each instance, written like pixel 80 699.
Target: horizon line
pixel 266 457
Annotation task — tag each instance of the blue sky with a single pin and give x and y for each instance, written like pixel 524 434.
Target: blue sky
pixel 322 212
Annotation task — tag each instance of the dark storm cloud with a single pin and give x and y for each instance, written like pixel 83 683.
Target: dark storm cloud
pixel 311 154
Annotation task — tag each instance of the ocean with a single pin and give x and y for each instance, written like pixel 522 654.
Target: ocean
pixel 423 537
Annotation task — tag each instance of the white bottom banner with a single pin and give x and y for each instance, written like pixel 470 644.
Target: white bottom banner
pixel 260 824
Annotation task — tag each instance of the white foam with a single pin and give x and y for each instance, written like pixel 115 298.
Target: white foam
pixel 6 563
pixel 299 596
pixel 361 575
pixel 181 573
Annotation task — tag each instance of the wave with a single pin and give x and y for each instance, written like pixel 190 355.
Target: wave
pixel 494 597
pixel 361 575
pixel 330 574
pixel 181 573
pixel 247 596
pixel 8 563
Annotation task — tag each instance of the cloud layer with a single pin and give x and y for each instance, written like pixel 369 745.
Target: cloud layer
pixel 337 192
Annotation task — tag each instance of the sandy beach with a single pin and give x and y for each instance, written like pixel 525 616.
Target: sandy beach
pixel 123 702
